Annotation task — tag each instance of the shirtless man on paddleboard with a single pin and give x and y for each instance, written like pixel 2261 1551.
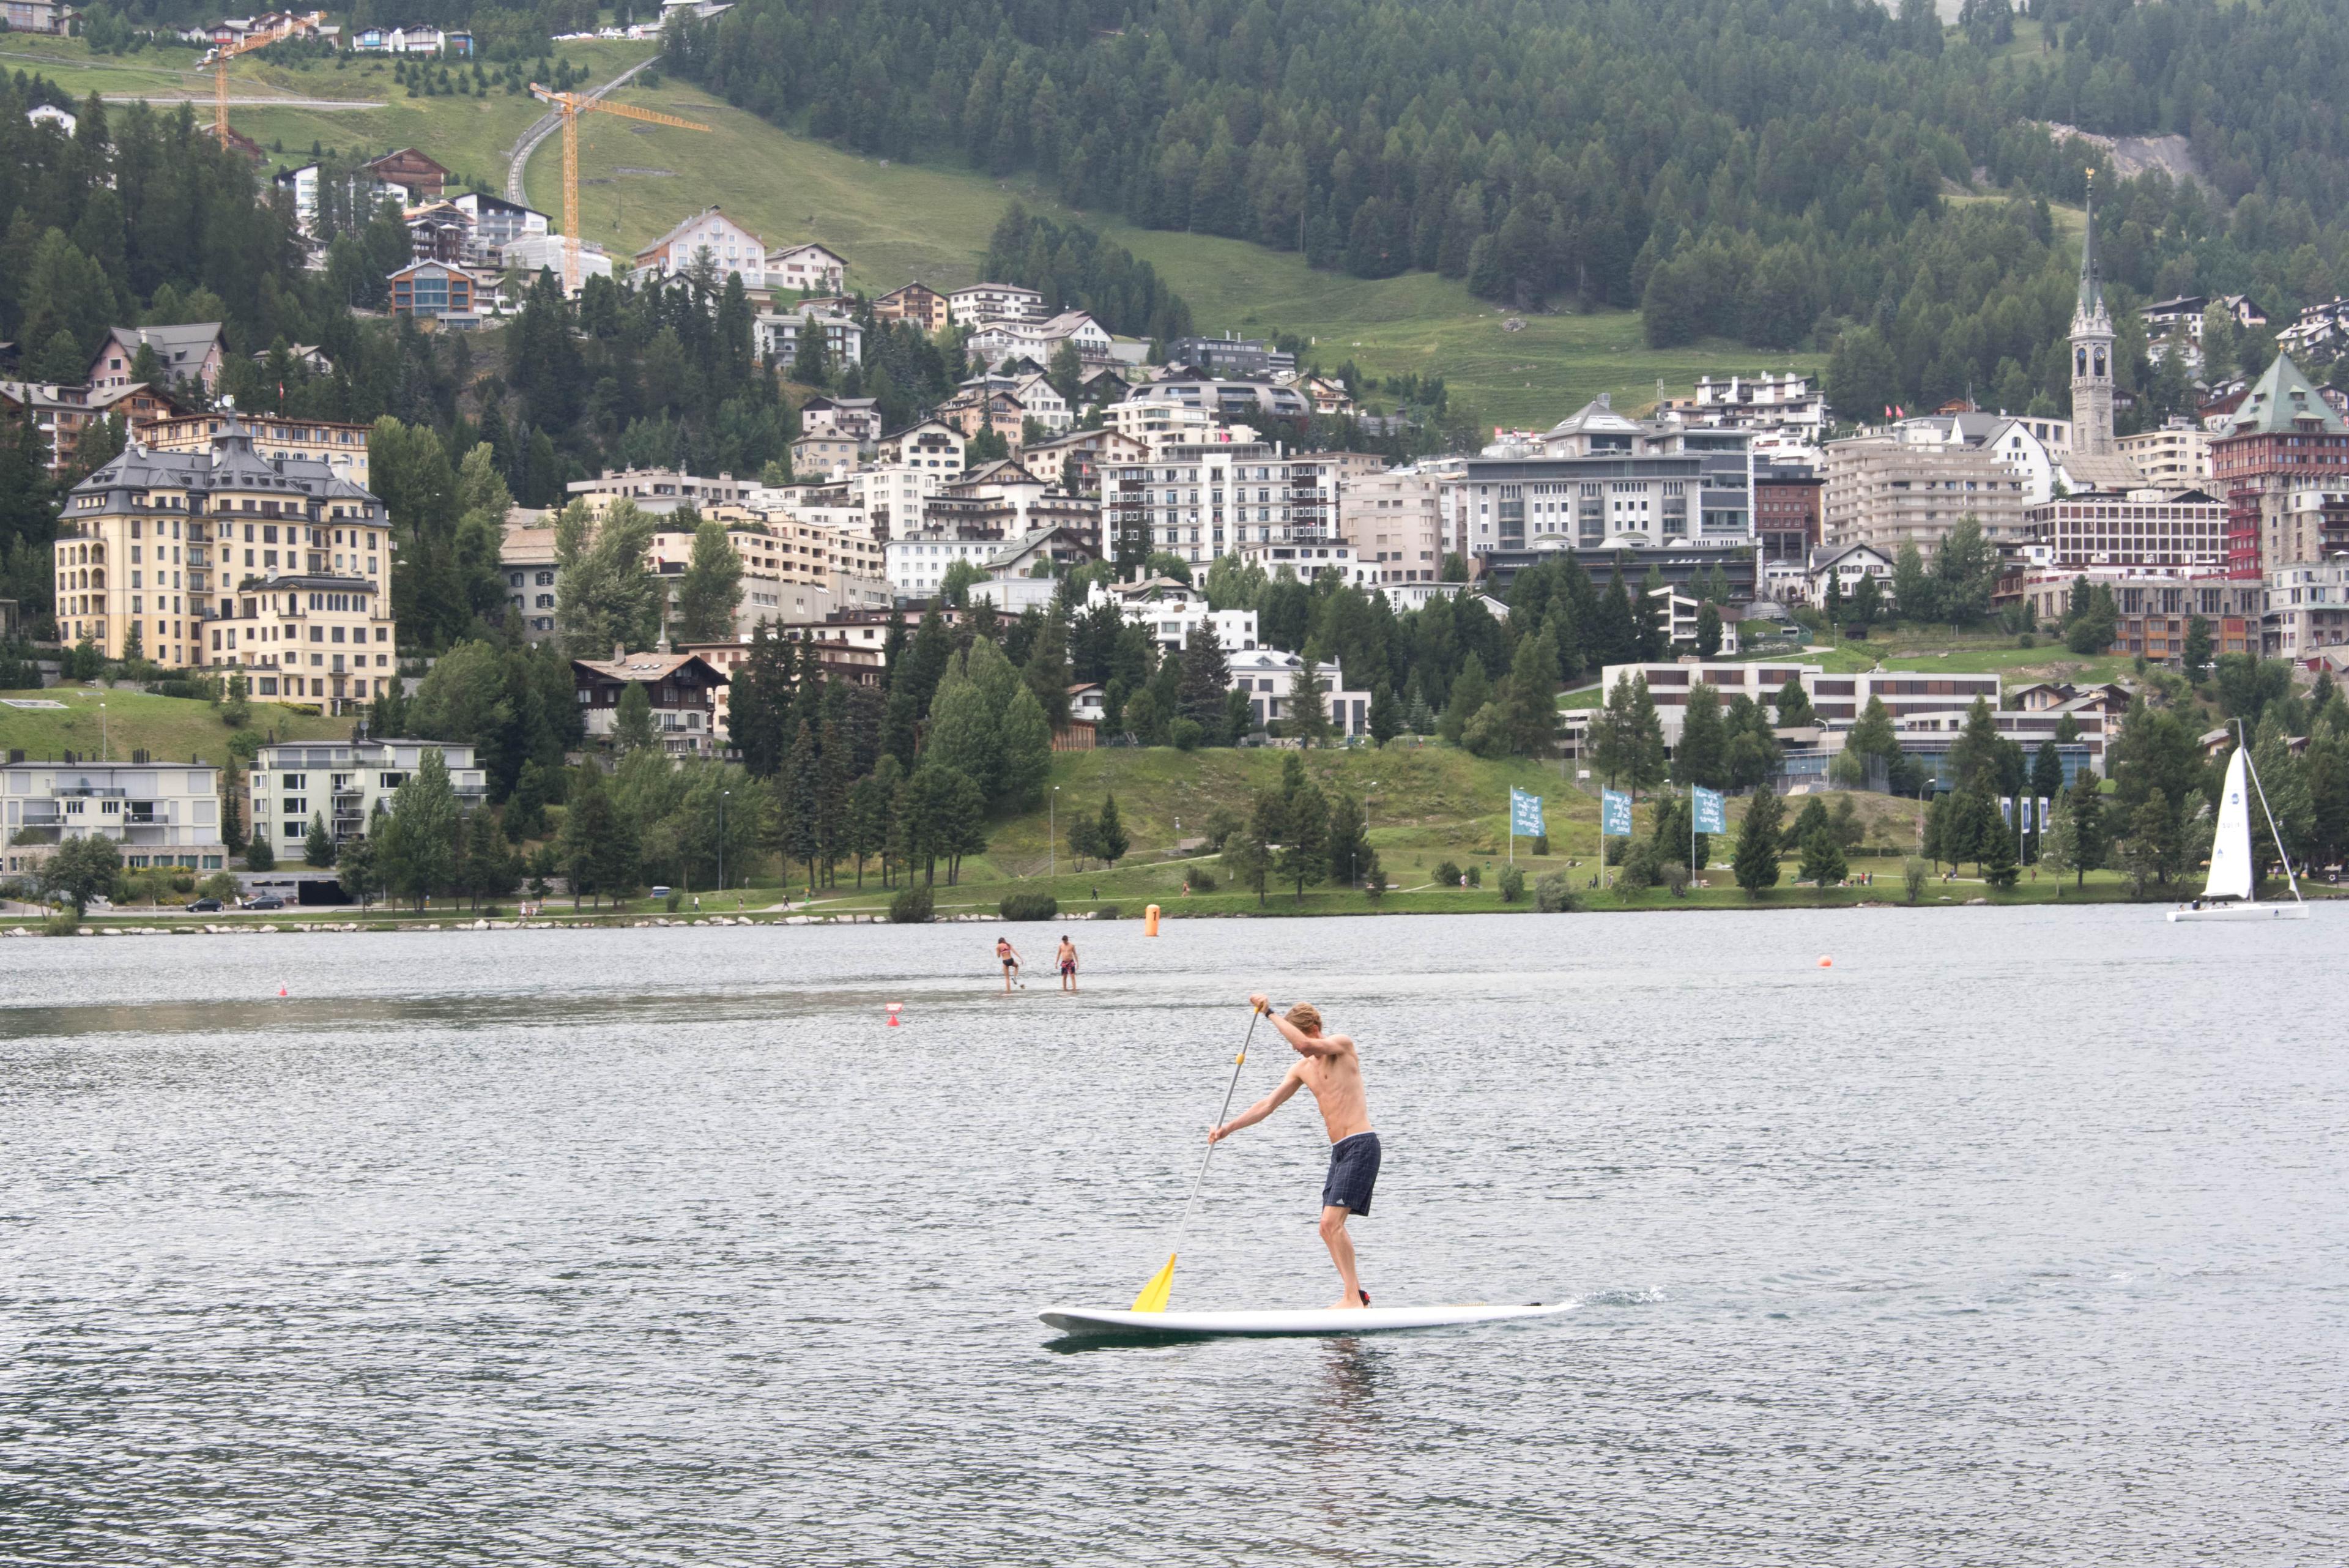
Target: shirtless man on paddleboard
pixel 1332 1069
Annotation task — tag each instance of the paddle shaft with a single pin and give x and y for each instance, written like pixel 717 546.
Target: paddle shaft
pixel 1229 1090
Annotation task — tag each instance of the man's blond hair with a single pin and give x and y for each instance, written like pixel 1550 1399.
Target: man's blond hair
pixel 1305 1016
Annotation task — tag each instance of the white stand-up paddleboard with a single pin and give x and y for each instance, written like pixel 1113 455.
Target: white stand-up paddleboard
pixel 1110 1322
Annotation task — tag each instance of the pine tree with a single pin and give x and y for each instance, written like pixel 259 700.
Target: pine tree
pixel 1997 863
pixel 1386 713
pixel 1973 757
pixel 1247 855
pixel 1348 852
pixel 1206 676
pixel 711 592
pixel 1026 751
pixel 1756 861
pixel 1309 712
pixel 632 720
pixel 796 833
pixel 1305 836
pixel 2087 803
pixel 318 849
pixel 1823 862
pixel 1110 840
pixel 1530 698
pixel 1700 757
pixel 1795 705
pixel 1470 693
pixel 2059 846
pixel 832 805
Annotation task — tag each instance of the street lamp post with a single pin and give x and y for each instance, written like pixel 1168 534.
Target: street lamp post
pixel 721 838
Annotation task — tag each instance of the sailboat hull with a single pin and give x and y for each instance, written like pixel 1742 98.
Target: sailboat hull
pixel 2245 911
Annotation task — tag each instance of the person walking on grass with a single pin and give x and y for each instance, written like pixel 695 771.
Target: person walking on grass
pixel 1332 1069
pixel 1067 962
pixel 1009 957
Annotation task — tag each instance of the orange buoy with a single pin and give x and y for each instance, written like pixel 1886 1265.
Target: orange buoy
pixel 1825 962
pixel 281 991
pixel 1150 921
pixel 894 1008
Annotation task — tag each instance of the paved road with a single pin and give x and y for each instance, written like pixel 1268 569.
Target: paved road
pixel 546 125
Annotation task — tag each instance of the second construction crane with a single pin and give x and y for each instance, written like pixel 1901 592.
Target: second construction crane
pixel 571 104
pixel 285 27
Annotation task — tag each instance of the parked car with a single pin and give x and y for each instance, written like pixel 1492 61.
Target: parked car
pixel 204 906
pixel 266 901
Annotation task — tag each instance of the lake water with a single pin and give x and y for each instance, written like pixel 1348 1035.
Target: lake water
pixel 2014 1237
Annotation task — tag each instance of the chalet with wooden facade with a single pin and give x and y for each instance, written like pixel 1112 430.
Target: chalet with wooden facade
pixel 683 689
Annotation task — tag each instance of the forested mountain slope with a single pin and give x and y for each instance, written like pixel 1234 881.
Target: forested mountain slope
pixel 1777 171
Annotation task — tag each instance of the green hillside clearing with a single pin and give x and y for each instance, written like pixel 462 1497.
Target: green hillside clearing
pixel 166 728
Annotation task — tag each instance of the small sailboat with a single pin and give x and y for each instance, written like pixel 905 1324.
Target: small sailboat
pixel 2228 895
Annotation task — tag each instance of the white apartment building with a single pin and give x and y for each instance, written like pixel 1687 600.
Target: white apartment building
pixel 918 567
pixel 2175 457
pixel 1838 700
pixel 778 335
pixel 1684 616
pixel 660 491
pixel 998 341
pixel 731 249
pixel 932 446
pixel 1169 612
pixel 893 495
pixel 2308 608
pixel 157 814
pixel 985 302
pixel 1042 402
pixel 1394 522
pixel 1216 498
pixel 1787 403
pixel 343 782
pixel 1167 421
pixel 1268 676
pixel 811 268
pixel 1597 480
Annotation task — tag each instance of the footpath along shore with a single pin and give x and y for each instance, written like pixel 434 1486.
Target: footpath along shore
pixel 1314 906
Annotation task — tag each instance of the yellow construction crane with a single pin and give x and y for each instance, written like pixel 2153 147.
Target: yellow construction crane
pixel 571 104
pixel 221 54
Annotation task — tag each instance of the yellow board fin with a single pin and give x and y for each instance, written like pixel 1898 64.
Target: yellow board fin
pixel 1161 1286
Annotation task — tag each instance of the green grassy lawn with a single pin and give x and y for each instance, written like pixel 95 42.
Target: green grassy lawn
pixel 166 728
pixel 1425 804
pixel 1965 653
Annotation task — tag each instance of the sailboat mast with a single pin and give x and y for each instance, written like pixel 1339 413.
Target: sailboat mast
pixel 2282 853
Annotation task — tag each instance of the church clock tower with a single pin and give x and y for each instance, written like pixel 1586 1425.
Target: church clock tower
pixel 2092 351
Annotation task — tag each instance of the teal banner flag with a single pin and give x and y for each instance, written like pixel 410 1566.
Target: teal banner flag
pixel 1614 812
pixel 1526 815
pixel 1710 815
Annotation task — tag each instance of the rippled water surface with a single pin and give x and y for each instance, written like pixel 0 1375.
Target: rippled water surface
pixel 2013 1237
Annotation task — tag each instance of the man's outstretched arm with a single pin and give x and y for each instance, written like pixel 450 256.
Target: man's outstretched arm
pixel 1258 1111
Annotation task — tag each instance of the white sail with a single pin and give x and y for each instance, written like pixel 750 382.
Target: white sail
pixel 2231 848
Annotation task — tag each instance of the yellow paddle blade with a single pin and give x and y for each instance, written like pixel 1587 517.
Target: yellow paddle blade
pixel 1162 1286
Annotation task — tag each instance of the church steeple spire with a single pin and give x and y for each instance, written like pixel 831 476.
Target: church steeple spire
pixel 2091 349
pixel 2092 290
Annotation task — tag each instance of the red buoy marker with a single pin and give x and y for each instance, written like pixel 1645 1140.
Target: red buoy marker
pixel 894 1008
pixel 1825 962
